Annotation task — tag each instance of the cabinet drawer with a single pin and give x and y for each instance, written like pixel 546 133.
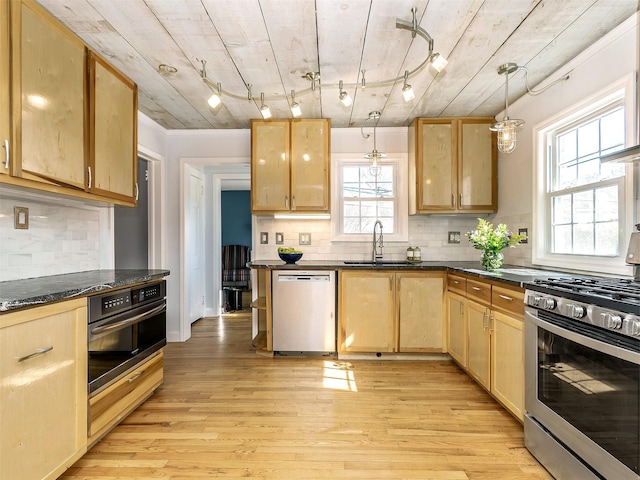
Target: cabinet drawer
pixel 113 404
pixel 479 291
pixel 457 284
pixel 508 299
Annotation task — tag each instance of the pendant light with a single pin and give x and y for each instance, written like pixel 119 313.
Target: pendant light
pixel 374 156
pixel 507 127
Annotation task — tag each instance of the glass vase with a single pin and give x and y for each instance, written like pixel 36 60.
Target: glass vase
pixel 491 260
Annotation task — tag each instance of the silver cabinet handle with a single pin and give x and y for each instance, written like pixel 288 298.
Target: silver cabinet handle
pixel 484 320
pixel 460 203
pixel 90 177
pixel 509 299
pixel 135 377
pixel 37 353
pixel 293 202
pixel 490 323
pixel 453 200
pixel 455 281
pixel 286 201
pixel 137 191
pixel 6 153
pixel 477 289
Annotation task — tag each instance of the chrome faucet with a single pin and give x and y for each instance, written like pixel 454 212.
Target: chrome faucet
pixel 378 243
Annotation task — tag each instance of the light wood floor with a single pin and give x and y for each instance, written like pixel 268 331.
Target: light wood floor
pixel 224 412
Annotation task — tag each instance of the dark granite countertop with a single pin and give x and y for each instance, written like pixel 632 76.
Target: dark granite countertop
pixel 37 291
pixel 510 274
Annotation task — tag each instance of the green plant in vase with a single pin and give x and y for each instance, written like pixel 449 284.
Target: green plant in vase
pixel 490 241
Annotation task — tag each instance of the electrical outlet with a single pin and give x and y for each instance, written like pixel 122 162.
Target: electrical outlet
pixel 524 231
pixel 264 238
pixel 279 238
pixel 304 239
pixel 454 237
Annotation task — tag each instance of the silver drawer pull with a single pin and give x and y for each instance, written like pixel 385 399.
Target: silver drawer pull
pixel 509 299
pixel 135 377
pixel 37 353
pixel 455 281
pixel 477 289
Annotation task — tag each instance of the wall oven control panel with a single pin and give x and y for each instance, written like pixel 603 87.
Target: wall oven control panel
pixel 115 303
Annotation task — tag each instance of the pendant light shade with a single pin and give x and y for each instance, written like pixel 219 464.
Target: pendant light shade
pixel 507 128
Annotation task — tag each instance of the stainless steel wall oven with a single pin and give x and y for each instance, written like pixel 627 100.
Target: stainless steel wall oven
pixel 582 371
pixel 125 327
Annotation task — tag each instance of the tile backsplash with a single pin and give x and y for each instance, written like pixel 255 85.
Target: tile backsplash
pixel 429 232
pixel 63 237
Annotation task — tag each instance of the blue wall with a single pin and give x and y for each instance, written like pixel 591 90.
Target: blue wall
pixel 236 217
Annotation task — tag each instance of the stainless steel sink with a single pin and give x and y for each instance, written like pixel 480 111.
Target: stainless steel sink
pixel 378 262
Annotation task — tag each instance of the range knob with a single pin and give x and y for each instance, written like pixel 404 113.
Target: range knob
pixel 576 311
pixel 633 328
pixel 534 300
pixel 548 303
pixel 611 320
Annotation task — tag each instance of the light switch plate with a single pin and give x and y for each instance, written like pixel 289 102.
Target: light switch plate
pixel 454 237
pixel 264 238
pixel 524 231
pixel 21 218
pixel 304 239
pixel 279 238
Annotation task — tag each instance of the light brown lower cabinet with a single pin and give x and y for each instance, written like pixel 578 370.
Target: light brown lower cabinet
pixel 390 311
pixel 110 406
pixel 43 390
pixel 486 338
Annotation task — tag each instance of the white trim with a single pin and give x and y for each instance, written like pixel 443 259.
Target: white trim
pixel 540 249
pixel 402 205
pixel 156 207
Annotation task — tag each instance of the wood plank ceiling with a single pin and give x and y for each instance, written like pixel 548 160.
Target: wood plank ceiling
pixel 271 44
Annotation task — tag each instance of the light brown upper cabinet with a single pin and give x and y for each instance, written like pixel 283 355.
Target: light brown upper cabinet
pixel 48 91
pixel 452 166
pixel 68 122
pixel 5 110
pixel 113 132
pixel 290 166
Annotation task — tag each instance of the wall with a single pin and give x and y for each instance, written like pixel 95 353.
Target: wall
pixel 236 218
pixel 64 236
pixel 607 61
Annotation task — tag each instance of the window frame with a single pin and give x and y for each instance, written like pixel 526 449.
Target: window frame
pixel 622 90
pixel 401 209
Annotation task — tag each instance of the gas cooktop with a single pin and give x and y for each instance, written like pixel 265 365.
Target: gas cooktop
pixel 615 293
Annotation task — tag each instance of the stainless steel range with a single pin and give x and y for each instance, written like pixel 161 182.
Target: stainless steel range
pixel 582 373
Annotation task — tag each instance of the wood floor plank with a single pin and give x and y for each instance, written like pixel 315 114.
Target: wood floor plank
pixel 225 412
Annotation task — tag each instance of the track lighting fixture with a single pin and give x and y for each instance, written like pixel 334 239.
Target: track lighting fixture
pixel 264 109
pixel 344 97
pixel 407 90
pixel 507 128
pixel 436 60
pixel 295 107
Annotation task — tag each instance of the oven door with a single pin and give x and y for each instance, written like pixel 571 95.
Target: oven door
pixel 119 342
pixel 585 391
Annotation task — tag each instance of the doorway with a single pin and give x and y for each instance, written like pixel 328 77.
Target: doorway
pixel 131 227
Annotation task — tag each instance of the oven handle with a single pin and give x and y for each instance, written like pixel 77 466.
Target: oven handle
pixel 603 347
pixel 129 321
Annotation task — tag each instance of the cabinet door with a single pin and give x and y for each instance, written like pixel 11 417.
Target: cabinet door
pixel 436 165
pixel 270 142
pixel 113 139
pixel 419 298
pixel 310 165
pixel 479 343
pixel 457 328
pixel 477 171
pixel 48 82
pixel 5 109
pixel 366 312
pixel 507 363
pixel 43 390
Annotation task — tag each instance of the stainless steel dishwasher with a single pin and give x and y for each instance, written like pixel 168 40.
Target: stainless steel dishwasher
pixel 304 312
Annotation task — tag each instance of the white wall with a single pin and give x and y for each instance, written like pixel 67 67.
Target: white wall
pixel 602 64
